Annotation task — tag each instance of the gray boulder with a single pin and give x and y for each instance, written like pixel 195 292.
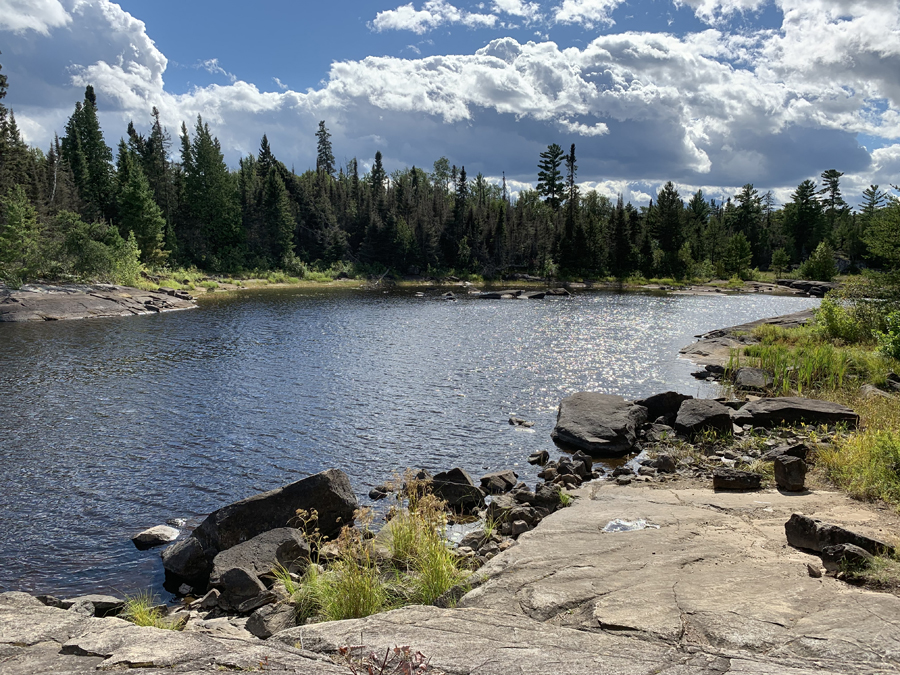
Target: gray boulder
pixel 237 586
pixel 281 547
pixel 771 412
pixel 94 605
pixel 541 457
pixel 186 559
pixel 499 482
pixel 329 493
pixel 753 379
pixel 603 425
pixel 699 414
pixel 812 534
pixel 155 536
pixel 664 404
pixel 790 473
pixel 788 449
pixel 270 619
pixel 458 490
pixel 732 479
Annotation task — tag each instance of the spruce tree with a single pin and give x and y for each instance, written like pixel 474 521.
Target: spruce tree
pixel 324 154
pixel 550 184
pixel 278 217
pixel 90 159
pixel 138 212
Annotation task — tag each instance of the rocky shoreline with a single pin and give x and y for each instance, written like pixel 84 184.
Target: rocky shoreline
pixel 702 552
pixel 48 302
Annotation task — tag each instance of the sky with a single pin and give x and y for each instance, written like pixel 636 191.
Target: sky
pixel 710 94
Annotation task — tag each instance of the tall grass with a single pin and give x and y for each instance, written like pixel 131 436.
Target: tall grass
pixel 142 610
pixel 418 568
pixel 803 360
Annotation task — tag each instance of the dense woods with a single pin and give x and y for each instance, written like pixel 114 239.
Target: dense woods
pixel 79 209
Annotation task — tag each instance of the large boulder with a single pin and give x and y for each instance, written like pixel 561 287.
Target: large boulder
pixel 281 547
pixel 771 412
pixel 457 488
pixel 603 425
pixel 812 534
pixel 238 586
pixel 665 404
pixel 699 414
pixel 733 479
pixel 329 493
pixel 499 482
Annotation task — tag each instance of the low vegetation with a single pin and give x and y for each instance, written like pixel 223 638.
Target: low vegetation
pixel 143 610
pixel 850 344
pixel 358 574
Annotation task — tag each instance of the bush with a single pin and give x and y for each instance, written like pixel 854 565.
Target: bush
pixel 141 610
pixel 820 265
pixel 889 339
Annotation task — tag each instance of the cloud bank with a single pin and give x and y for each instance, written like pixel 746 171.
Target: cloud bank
pixel 715 108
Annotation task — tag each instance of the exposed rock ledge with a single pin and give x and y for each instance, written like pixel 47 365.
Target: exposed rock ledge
pixel 714 589
pixel 714 347
pixel 45 302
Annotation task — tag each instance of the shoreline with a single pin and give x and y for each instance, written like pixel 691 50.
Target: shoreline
pixel 67 301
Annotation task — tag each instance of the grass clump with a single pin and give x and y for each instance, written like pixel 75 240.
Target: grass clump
pixel 867 465
pixel 408 562
pixel 142 610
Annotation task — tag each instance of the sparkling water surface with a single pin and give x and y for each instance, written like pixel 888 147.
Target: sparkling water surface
pixel 110 426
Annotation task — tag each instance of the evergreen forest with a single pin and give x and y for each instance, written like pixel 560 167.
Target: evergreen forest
pixel 81 210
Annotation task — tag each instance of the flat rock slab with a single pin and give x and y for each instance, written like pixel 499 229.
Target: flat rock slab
pixel 771 412
pixel 603 425
pixel 39 639
pixel 714 347
pixel 43 302
pixel 717 574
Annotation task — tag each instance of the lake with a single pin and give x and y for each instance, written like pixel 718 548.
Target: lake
pixel 110 426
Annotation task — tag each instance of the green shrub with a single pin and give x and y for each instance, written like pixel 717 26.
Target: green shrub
pixel 889 339
pixel 820 265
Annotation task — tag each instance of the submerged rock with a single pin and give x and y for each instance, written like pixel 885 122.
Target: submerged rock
pixel 155 536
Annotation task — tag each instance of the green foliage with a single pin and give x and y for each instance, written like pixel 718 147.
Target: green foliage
pixel 889 339
pixel 19 237
pixel 96 251
pixel 738 255
pixel 550 183
pixel 820 265
pixel 780 261
pixel 867 466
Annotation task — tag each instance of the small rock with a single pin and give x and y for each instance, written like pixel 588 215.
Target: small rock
pixel 845 556
pixel 155 536
pixel 623 480
pixel 519 422
pixel 871 391
pixel 622 471
pixel 647 471
pixel 184 589
pixel 539 458
pixel 379 492
pixel 814 571
pixel 519 527
pixel 732 479
pixel 499 482
pixel 753 379
pixel 664 463
pixel 208 601
pixel 790 473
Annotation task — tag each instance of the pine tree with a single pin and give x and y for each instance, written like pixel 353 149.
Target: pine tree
pixel 138 212
pixel 278 217
pixel 212 227
pixel 550 184
pixel 324 154
pixel 802 219
pixel 669 209
pixel 19 236
pixel 90 159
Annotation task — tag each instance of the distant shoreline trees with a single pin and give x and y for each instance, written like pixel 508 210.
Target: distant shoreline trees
pixel 73 205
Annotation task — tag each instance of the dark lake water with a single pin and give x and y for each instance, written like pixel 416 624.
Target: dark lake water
pixel 110 426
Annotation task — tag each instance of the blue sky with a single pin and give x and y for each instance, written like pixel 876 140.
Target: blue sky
pixel 711 94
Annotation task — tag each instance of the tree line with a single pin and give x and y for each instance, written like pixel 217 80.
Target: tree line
pixel 81 209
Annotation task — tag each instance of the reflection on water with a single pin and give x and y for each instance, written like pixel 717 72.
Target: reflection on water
pixel 110 426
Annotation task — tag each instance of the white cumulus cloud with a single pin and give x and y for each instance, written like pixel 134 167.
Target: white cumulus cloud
pixel 32 15
pixel 434 13
pixel 586 12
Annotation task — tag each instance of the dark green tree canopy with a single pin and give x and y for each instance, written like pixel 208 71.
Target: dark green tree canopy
pixel 550 184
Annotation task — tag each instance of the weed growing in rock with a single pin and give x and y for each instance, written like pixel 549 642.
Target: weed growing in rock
pixel 142 610
pixel 395 661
